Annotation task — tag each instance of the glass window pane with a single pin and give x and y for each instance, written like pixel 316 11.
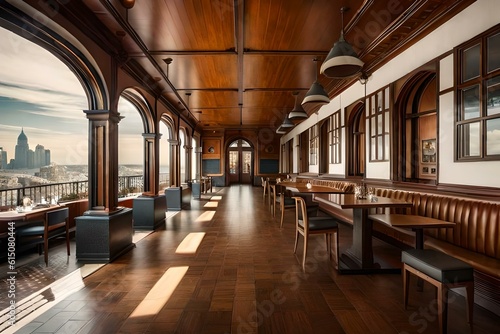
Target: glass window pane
pixel 493 105
pixel 471 63
pixel 372 105
pixel 244 143
pixel 386 118
pixel 373 148
pixel 493 52
pixel 387 147
pixel 470 140
pixel 470 102
pixel 380 102
pixel 233 162
pixel 493 136
pixel 380 124
pixel 373 126
pixel 380 147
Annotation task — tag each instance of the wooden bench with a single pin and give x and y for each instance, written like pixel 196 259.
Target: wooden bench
pixel 445 273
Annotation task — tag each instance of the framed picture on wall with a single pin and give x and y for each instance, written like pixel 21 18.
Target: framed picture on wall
pixel 429 150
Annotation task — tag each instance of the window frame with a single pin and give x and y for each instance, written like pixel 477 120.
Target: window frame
pixel 335 138
pixel 377 108
pixel 314 145
pixel 463 85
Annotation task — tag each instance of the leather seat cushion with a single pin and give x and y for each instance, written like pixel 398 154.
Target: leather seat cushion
pixel 440 266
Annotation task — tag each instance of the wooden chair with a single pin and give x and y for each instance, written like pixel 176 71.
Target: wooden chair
pixel 308 225
pixel 264 186
pixel 55 225
pixel 282 198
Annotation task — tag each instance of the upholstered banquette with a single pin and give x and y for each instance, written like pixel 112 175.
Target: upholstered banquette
pixel 475 239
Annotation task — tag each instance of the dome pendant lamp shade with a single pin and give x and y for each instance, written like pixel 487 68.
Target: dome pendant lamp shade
pixel 297 112
pixel 287 123
pixel 316 94
pixel 280 130
pixel 342 61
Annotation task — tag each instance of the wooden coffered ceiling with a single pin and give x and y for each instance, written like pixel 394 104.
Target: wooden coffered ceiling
pixel 236 63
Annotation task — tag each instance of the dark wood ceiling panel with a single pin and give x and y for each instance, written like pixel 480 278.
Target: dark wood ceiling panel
pixel 186 25
pixel 293 24
pixel 225 117
pixel 207 99
pixel 268 100
pixel 268 71
pixel 204 71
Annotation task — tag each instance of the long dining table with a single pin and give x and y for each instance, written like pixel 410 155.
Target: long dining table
pixel 301 187
pixel 359 258
pixel 24 216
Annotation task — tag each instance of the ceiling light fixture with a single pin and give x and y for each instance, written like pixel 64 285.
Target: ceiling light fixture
pixel 316 94
pixel 297 111
pixel 280 130
pixel 342 61
pixel 287 123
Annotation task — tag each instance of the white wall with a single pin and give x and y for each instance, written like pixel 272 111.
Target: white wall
pixel 472 21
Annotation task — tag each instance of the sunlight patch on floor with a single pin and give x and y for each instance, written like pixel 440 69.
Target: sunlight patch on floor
pixel 160 293
pixel 139 235
pixel 216 198
pixel 36 304
pixel 205 217
pixel 211 205
pixel 190 243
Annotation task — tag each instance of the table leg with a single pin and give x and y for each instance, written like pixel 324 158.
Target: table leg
pixel 419 244
pixel 359 258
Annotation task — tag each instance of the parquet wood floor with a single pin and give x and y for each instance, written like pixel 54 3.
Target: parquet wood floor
pixel 244 278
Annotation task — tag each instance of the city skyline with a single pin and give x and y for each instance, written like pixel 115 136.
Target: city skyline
pixel 45 98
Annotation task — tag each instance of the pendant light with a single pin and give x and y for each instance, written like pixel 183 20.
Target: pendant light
pixel 287 123
pixel 297 111
pixel 280 130
pixel 342 61
pixel 316 94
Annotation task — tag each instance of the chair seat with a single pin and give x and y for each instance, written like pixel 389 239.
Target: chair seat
pixel 320 223
pixel 440 266
pixel 31 230
pixel 288 201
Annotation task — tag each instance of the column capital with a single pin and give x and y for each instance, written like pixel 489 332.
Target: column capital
pixel 103 115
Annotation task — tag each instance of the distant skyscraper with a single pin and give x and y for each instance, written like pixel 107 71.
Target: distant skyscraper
pixel 39 158
pixel 3 159
pixel 22 149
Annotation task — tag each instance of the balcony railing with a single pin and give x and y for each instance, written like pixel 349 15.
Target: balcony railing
pixel 74 190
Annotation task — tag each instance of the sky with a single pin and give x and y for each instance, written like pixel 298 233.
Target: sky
pixel 40 95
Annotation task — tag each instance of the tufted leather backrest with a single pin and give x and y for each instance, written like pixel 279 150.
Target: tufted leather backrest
pixel 478 222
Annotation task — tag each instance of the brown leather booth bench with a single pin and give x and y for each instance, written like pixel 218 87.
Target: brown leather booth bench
pixel 475 239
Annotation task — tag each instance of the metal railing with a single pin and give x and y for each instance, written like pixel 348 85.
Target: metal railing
pixel 64 191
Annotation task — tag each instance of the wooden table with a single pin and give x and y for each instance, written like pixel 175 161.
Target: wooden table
pixel 416 223
pixel 23 218
pixel 359 258
pixel 301 187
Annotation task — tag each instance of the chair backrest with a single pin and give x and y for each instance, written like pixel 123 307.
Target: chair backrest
pixel 301 214
pixel 56 218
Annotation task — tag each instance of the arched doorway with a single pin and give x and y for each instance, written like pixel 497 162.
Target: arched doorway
pixel 417 110
pixel 356 141
pixel 240 158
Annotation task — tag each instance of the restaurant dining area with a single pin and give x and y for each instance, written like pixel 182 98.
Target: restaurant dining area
pixel 251 166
